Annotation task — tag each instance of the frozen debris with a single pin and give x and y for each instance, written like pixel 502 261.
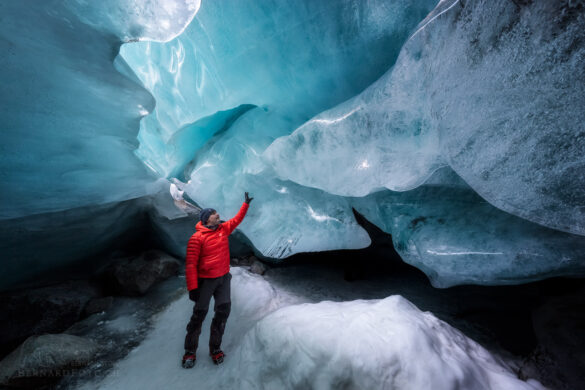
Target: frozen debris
pixel 41 360
pixel 258 267
pixel 135 276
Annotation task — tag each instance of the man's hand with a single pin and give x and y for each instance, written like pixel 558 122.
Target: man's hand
pixel 194 295
pixel 248 199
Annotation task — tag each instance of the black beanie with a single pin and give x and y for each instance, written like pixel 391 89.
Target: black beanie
pixel 204 215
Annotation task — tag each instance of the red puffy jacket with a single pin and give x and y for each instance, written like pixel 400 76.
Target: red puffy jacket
pixel 208 251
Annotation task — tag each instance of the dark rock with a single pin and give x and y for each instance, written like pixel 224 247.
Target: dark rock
pixel 97 305
pixel 258 267
pixel 243 261
pixel 134 276
pixel 247 260
pixel 42 310
pixel 42 360
pixel 559 325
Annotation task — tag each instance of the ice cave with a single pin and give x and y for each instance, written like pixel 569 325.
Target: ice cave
pixel 416 180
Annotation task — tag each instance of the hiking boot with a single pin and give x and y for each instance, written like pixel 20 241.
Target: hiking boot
pixel 188 359
pixel 217 356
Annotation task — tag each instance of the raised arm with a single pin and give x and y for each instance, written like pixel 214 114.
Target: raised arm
pixel 233 223
pixel 191 262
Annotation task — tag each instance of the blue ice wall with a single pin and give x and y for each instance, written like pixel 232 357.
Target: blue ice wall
pixel 453 235
pixel 486 91
pixel 69 118
pixel 70 113
pixel 457 127
pixel 494 89
pixel 291 60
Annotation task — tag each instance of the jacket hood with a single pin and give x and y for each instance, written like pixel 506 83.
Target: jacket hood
pixel 201 228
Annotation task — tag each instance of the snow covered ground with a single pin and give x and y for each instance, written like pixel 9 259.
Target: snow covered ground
pixel 276 339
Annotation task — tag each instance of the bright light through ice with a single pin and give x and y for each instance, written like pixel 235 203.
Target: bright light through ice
pixel 364 165
pixel 435 17
pixel 206 164
pixel 331 121
pixel 282 190
pixel 150 166
pixel 165 24
pixel 142 111
pixel 462 253
pixel 193 5
pixel 318 217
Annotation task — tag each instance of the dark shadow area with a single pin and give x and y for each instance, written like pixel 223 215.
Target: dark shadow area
pixel 357 264
pixel 47 248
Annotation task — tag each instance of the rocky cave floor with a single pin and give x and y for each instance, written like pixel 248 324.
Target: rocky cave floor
pixel 537 328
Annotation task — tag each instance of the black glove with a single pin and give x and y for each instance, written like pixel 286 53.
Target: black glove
pixel 248 199
pixel 194 295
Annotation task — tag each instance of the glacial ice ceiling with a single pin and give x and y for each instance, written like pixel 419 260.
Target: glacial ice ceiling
pixel 457 127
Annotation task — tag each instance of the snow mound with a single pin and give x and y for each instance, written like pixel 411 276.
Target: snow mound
pixel 274 341
pixel 375 344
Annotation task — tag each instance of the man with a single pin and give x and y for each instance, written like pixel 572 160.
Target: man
pixel 207 269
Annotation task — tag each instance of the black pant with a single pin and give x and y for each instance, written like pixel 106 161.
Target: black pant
pixel 219 288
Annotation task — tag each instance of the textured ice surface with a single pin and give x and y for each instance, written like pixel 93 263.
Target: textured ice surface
pixel 381 138
pixel 207 79
pixel 285 218
pixel 294 57
pixel 174 156
pixel 445 229
pixel 274 341
pixel 69 120
pixel 506 90
pixel 492 88
pixel 375 344
pixel 69 117
pixel 130 20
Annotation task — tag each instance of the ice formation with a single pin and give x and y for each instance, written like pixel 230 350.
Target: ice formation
pixel 445 229
pixel 70 118
pixel 490 88
pixel 226 168
pixel 222 98
pixel 132 20
pixel 283 342
pixel 314 107
pixel 266 55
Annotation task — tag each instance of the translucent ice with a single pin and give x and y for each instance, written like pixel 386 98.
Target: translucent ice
pixel 445 229
pixel 205 80
pixel 505 91
pixel 130 20
pixel 380 138
pixel 285 218
pixel 492 88
pixel 69 117
pixel 266 54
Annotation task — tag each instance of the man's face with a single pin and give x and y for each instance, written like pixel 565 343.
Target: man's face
pixel 213 219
